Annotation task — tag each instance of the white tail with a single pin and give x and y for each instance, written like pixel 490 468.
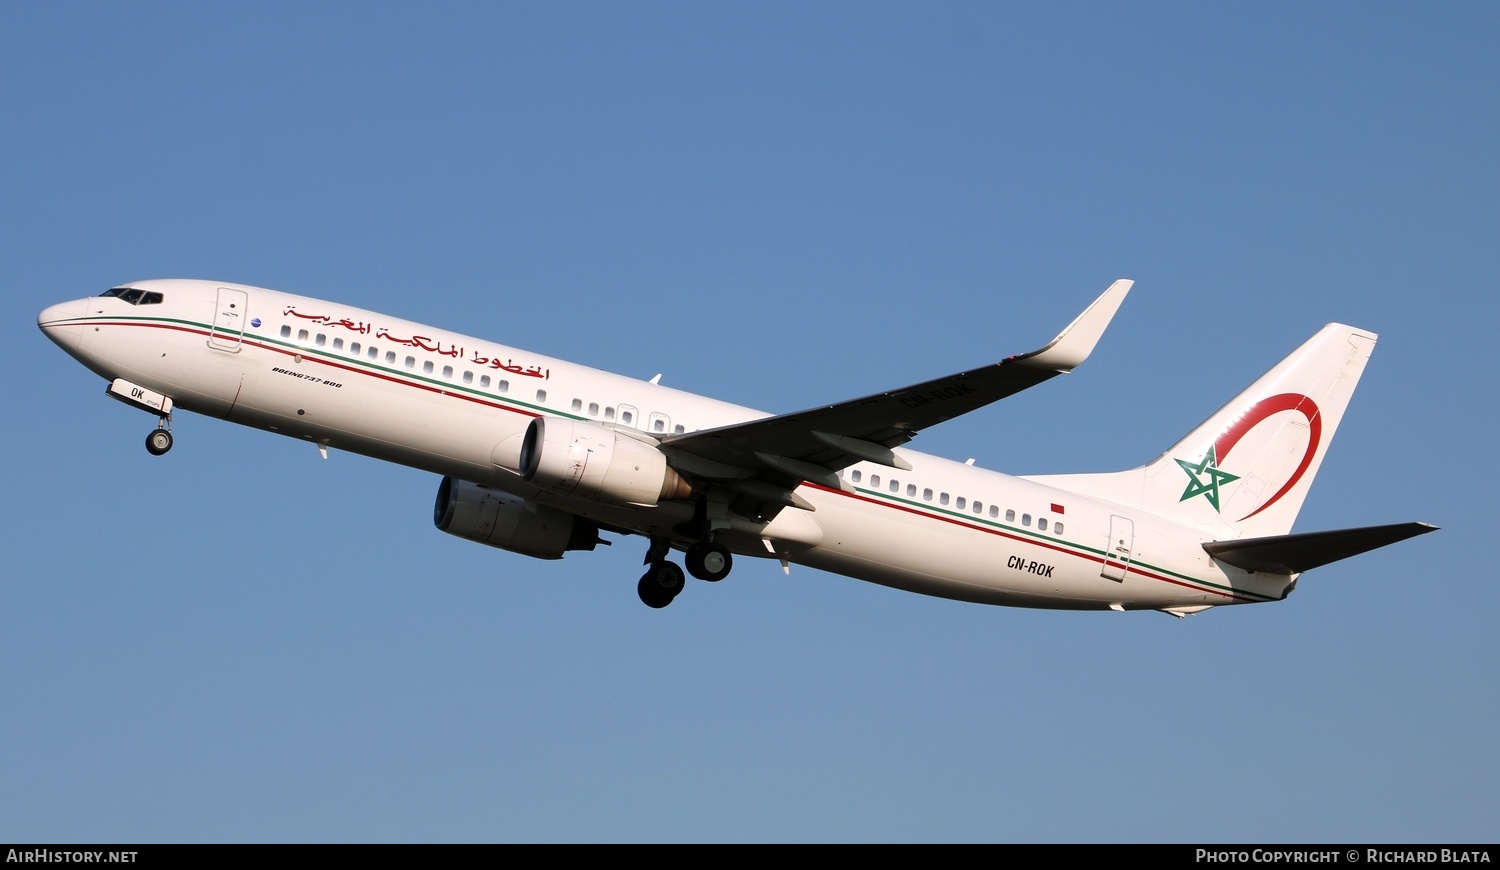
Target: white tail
pixel 1245 471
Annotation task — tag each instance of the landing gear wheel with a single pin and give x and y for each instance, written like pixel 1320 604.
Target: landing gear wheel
pixel 159 442
pixel 709 561
pixel 661 583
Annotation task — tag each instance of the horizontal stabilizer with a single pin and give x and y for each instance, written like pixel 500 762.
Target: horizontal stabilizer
pixel 1293 554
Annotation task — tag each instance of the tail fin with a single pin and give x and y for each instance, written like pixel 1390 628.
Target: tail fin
pixel 1245 471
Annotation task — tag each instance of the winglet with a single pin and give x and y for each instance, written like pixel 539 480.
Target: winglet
pixel 1074 344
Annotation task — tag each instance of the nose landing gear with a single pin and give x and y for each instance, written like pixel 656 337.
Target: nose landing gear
pixel 137 396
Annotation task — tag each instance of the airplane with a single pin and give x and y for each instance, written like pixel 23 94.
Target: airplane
pixel 541 456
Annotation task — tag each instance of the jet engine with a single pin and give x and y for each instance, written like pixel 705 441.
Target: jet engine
pixel 502 520
pixel 585 459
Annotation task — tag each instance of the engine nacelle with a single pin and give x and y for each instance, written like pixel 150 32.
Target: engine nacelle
pixel 587 460
pixel 502 520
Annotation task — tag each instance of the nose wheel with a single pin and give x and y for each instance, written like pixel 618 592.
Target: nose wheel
pixel 160 440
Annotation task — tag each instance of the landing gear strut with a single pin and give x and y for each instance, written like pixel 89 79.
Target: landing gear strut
pixel 664 580
pixel 160 439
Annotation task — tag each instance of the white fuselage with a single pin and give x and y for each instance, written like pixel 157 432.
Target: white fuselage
pixel 458 406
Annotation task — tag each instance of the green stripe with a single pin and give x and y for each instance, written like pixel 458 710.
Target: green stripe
pixel 995 524
pixel 504 400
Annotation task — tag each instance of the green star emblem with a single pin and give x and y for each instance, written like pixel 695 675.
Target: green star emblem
pixel 1205 477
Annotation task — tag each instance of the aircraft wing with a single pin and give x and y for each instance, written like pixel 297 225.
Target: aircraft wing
pixel 767 458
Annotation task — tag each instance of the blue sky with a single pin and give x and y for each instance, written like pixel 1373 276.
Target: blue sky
pixel 781 205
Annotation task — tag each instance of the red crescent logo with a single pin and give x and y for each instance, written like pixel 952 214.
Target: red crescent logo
pixel 1261 411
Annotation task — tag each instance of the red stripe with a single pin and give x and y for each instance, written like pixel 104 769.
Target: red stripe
pixel 1099 560
pixel 337 365
pixel 921 513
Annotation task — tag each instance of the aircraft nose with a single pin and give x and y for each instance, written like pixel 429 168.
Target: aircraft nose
pixel 63 323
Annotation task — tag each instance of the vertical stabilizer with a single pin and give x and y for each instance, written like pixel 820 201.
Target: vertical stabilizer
pixel 1251 464
pixel 1245 471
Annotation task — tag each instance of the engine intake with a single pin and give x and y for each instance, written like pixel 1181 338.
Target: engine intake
pixel 499 519
pixel 588 460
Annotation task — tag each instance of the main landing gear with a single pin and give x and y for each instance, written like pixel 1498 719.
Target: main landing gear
pixel 160 439
pixel 664 580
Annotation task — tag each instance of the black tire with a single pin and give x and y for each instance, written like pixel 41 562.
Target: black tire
pixel 158 442
pixel 660 584
pixel 709 561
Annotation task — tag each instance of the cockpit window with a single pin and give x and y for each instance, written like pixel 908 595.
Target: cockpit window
pixel 133 296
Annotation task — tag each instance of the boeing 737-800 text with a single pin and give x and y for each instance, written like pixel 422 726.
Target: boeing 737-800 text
pixel 541 456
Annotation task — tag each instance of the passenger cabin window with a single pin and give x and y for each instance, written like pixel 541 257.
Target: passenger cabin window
pixel 855 475
pixel 286 331
pixel 1041 523
pixel 1025 519
pixel 302 335
pixel 541 396
pixel 1010 516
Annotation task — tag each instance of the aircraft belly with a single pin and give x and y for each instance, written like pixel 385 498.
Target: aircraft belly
pixel 388 420
pixel 936 556
pixel 929 556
